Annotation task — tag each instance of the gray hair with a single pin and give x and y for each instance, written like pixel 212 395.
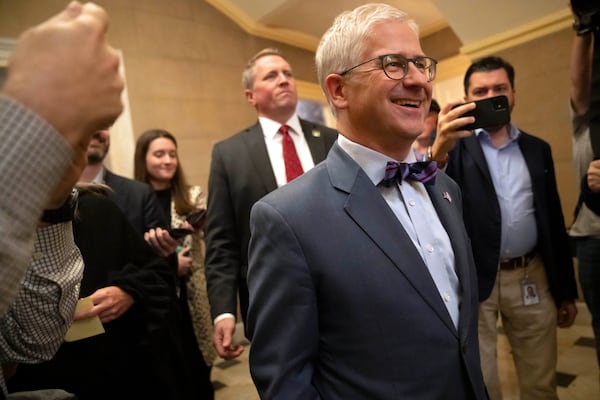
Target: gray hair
pixel 344 42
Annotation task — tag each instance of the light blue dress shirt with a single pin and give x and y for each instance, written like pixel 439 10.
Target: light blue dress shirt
pixel 512 183
pixel 412 206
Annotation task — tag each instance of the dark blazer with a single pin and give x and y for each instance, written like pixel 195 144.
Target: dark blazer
pixel 137 201
pixel 468 167
pixel 589 197
pixel 342 305
pixel 140 354
pixel 240 174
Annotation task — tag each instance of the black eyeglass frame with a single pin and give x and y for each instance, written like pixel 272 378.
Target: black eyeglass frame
pixel 428 71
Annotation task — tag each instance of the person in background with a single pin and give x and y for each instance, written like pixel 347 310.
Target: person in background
pixel 156 162
pixel 362 283
pixel 426 138
pixel 517 231
pixel 585 229
pixel 41 139
pixel 132 290
pixel 136 199
pixel 244 168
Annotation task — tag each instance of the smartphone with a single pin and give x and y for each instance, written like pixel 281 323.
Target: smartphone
pixel 197 218
pixel 178 233
pixel 493 111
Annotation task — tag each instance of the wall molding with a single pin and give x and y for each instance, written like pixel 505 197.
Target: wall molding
pixel 533 30
pixel 293 38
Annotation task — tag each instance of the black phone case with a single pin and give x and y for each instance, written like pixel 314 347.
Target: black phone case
pixel 178 233
pixel 197 218
pixel 493 111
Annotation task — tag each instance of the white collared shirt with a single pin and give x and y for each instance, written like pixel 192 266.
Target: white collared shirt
pixel 273 139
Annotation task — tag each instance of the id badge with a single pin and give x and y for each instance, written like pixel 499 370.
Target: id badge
pixel 529 292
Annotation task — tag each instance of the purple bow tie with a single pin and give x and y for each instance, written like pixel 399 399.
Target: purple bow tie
pixel 421 171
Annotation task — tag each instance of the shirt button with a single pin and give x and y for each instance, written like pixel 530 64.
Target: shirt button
pixel 446 297
pixel 430 249
pixel 411 203
pixel 37 255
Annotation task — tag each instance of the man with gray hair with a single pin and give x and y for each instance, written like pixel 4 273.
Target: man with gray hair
pixel 361 277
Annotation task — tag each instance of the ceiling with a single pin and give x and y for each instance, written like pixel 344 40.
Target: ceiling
pixel 302 22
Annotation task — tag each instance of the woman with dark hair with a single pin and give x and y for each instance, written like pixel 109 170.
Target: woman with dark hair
pixel 156 162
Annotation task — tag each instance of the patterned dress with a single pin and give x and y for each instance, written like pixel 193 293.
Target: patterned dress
pixel 196 283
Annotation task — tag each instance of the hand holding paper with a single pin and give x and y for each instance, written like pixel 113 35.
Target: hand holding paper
pixel 86 327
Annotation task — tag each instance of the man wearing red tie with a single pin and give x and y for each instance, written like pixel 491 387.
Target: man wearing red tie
pixel 245 167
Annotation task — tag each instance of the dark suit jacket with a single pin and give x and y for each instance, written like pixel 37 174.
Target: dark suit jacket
pixel 342 305
pixel 240 174
pixel 140 353
pixel 468 167
pixel 137 200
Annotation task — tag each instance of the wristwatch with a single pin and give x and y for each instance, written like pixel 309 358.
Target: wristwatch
pixel 64 213
pixel 429 157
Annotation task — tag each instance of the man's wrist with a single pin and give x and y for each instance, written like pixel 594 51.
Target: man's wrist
pixel 223 316
pixel 583 27
pixel 64 213
pixel 441 162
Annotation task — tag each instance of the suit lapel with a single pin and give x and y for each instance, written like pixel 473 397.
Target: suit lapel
pixel 257 150
pixel 473 147
pixel 368 209
pixel 441 197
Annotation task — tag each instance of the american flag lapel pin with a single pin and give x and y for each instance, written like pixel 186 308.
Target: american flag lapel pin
pixel 446 196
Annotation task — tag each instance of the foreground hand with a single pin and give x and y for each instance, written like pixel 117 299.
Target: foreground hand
pixel 59 194
pixel 449 128
pixel 65 71
pixel 109 304
pixel 566 314
pixel 223 337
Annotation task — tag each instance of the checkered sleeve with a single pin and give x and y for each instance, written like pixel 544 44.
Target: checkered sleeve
pixel 34 156
pixel 34 327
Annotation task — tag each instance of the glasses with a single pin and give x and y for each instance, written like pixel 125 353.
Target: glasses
pixel 395 66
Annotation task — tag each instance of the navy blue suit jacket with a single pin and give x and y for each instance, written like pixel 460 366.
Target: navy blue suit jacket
pixel 342 305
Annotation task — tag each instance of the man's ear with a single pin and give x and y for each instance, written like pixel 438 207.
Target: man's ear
pixel 249 96
pixel 336 90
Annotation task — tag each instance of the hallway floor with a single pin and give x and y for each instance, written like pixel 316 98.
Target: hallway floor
pixel 577 370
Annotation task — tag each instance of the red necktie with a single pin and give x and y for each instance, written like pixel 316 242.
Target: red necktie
pixel 293 167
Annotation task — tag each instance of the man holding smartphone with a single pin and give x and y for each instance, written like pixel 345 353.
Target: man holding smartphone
pixel 515 222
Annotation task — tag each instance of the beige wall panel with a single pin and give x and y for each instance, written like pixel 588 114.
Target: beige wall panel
pixel 542 85
pixel 184 60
